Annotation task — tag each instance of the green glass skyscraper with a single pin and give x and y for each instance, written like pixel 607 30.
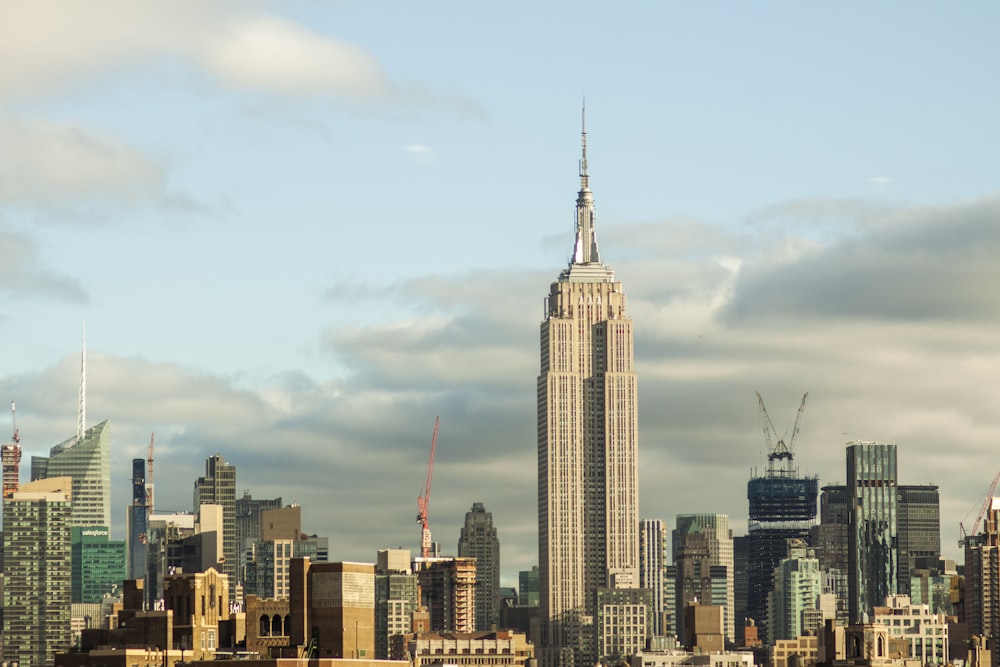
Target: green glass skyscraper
pixel 872 529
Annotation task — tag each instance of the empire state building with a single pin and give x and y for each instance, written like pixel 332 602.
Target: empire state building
pixel 588 499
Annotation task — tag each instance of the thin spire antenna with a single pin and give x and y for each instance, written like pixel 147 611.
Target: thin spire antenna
pixel 584 177
pixel 82 424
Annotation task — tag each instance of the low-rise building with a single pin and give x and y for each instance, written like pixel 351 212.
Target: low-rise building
pixel 501 648
pixel 924 631
pixel 798 652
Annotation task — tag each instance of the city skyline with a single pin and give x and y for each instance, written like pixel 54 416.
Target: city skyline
pixel 299 270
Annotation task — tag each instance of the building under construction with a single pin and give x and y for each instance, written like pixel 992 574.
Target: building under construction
pixel 782 507
pixel 11 456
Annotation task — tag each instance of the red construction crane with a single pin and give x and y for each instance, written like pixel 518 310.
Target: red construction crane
pixel 424 500
pixel 963 534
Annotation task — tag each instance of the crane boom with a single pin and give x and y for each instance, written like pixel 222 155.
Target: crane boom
pixel 13 417
pixel 780 451
pixel 963 533
pixel 149 477
pixel 424 500
pixel 795 427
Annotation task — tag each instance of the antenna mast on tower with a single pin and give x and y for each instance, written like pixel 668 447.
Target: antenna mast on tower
pixel 82 424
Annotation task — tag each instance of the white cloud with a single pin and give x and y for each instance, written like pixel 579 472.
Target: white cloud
pixel 465 347
pixel 420 152
pixel 68 43
pixel 52 163
pixel 268 53
pixel 21 275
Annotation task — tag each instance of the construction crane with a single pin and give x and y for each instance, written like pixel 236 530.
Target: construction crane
pixel 779 451
pixel 424 500
pixel 963 533
pixel 13 417
pixel 149 476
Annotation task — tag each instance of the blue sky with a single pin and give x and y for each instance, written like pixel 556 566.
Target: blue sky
pixel 299 231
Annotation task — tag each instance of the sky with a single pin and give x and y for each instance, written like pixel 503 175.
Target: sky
pixel 300 231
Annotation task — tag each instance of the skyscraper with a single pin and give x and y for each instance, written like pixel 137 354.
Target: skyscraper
pixel 982 577
pixel 588 497
pixel 37 589
pixel 136 523
pixel 218 487
pixel 652 564
pixel 918 528
pixel 86 458
pixel 872 531
pixel 703 552
pixel 478 540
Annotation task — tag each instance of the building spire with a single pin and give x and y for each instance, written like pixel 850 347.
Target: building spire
pixel 82 423
pixel 585 248
pixel 584 178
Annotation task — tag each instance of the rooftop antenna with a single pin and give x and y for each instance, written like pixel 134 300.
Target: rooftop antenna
pixel 82 424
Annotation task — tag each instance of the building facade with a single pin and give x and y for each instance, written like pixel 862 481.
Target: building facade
pixel 218 487
pixel 137 523
pixel 98 563
pixel 652 566
pixel 37 583
pixel 588 498
pixel 86 458
pixel 797 588
pixel 872 528
pixel 396 598
pixel 478 539
pixel 982 578
pixel 703 553
pixel 918 527
pixel 622 623
pixel 448 591
pixel 924 631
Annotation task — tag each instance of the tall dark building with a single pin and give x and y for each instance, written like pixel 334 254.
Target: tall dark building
pixel 829 540
pixel 741 583
pixel 872 529
pixel 136 526
pixel 918 529
pixel 782 507
pixel 478 540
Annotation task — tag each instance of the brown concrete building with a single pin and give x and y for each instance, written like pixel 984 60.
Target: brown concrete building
pixel 799 652
pixel 200 602
pixel 332 608
pixel 269 626
pixel 704 628
pixel 281 524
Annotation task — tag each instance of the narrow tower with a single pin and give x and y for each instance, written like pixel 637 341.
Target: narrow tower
pixel 588 499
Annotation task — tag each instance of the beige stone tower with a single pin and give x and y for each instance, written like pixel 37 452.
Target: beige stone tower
pixel 588 499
